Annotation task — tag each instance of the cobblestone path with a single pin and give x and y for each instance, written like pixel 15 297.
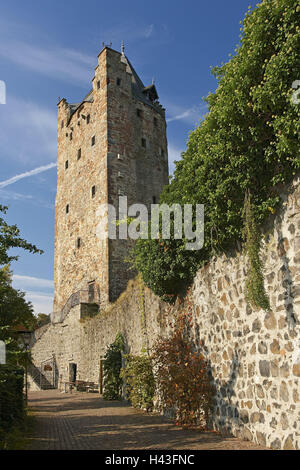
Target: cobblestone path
pixel 83 421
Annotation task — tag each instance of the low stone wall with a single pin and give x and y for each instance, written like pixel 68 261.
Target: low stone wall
pixel 254 355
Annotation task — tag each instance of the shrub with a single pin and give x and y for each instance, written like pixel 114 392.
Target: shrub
pixel 12 411
pixel 112 382
pixel 139 379
pixel 182 379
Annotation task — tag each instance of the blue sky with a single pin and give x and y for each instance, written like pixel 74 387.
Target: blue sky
pixel 49 48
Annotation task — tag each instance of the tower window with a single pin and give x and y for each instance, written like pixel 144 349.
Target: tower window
pixel 93 191
pixel 93 140
pixel 78 154
pixel 66 164
pixel 143 142
pixel 139 113
pixel 71 136
pixel 98 84
pixel 67 208
pixel 162 152
pixel 88 119
pixel 155 121
pixel 118 81
pixel 62 124
pixel 153 199
pixel 78 242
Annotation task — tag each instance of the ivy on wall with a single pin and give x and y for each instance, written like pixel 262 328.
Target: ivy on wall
pixel 247 142
pixel 255 290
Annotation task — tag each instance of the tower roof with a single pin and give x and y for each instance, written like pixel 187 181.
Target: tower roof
pixel 147 95
pixel 138 88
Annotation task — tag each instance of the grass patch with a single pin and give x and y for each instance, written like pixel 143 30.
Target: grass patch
pixel 18 436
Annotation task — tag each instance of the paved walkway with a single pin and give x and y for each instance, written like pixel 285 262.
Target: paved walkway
pixel 83 421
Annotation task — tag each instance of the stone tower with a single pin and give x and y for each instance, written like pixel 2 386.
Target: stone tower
pixel 112 143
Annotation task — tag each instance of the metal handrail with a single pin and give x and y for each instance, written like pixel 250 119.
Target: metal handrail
pixel 73 300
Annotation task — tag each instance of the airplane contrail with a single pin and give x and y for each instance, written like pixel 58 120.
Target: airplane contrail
pixel 35 171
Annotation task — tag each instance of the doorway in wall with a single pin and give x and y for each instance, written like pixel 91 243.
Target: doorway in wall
pixel 91 291
pixel 72 372
pixel 101 376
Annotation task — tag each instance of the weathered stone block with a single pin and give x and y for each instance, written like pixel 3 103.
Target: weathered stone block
pixel 270 321
pixel 264 368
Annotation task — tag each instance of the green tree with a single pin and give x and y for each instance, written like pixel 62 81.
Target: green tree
pixel 42 319
pixel 247 143
pixel 14 309
pixel 10 238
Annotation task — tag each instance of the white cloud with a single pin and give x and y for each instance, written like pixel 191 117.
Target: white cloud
pixel 174 153
pixel 25 198
pixel 28 132
pixel 149 31
pixel 38 291
pixel 56 62
pixel 35 171
pixel 21 282
pixel 13 196
pixel 42 303
pixel 128 32
pixel 191 115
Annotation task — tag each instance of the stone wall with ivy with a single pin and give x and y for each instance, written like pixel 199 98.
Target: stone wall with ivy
pixel 254 354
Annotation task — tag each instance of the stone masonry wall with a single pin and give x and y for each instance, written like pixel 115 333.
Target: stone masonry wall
pixel 254 355
pixel 101 156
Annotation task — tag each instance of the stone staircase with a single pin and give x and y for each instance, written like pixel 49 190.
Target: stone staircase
pixel 39 379
pixel 80 297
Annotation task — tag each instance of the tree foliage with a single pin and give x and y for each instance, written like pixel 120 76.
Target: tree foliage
pixel 248 141
pixel 42 319
pixel 15 312
pixel 12 411
pixel 10 238
pixel 14 309
pixel 112 368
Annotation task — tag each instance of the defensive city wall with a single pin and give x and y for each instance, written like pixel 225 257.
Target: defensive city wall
pixel 254 355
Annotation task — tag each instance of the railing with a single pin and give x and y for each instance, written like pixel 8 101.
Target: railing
pixel 80 297
pixel 39 378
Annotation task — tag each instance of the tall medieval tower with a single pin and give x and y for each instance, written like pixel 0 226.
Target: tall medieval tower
pixel 113 143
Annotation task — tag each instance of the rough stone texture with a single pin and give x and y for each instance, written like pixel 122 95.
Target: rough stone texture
pixel 257 389
pixel 116 165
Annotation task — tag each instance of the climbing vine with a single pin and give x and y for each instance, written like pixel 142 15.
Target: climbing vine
pixel 248 141
pixel 142 314
pixel 255 290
